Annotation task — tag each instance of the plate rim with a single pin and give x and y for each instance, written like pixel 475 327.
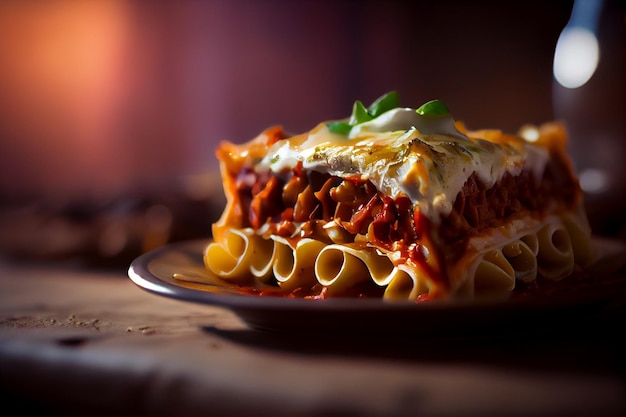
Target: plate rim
pixel 140 274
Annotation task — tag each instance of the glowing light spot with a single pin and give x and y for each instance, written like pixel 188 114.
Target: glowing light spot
pixel 576 57
pixel 594 181
pixel 530 134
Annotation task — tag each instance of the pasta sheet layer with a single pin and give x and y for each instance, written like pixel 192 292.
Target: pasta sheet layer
pixel 497 261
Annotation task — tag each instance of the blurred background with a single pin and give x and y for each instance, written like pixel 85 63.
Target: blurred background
pixel 110 111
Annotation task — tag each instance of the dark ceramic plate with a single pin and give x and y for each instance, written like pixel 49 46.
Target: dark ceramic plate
pixel 177 271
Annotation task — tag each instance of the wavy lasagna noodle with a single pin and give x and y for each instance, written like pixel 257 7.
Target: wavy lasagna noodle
pixel 399 203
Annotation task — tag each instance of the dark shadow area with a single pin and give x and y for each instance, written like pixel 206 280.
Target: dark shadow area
pixel 593 345
pixel 588 350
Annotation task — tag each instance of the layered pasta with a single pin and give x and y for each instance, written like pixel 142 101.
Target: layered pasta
pixel 399 203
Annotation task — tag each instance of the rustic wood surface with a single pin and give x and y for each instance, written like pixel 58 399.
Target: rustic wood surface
pixel 84 341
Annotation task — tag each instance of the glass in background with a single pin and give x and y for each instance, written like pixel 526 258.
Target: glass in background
pixel 589 96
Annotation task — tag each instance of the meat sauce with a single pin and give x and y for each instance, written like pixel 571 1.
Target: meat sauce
pixel 311 199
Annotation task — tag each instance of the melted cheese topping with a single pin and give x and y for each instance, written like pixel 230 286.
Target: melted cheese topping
pixel 403 153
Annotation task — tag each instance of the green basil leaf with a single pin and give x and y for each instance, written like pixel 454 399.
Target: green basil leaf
pixel 359 114
pixel 384 103
pixel 341 128
pixel 433 108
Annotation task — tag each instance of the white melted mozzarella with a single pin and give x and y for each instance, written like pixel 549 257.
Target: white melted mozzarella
pixel 403 118
pixel 401 152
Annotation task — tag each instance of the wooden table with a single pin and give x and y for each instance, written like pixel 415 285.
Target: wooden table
pixel 82 341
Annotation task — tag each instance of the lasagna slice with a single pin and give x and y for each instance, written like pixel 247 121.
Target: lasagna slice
pixel 399 203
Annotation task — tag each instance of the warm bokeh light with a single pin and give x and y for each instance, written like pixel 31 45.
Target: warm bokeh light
pixel 530 133
pixel 63 84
